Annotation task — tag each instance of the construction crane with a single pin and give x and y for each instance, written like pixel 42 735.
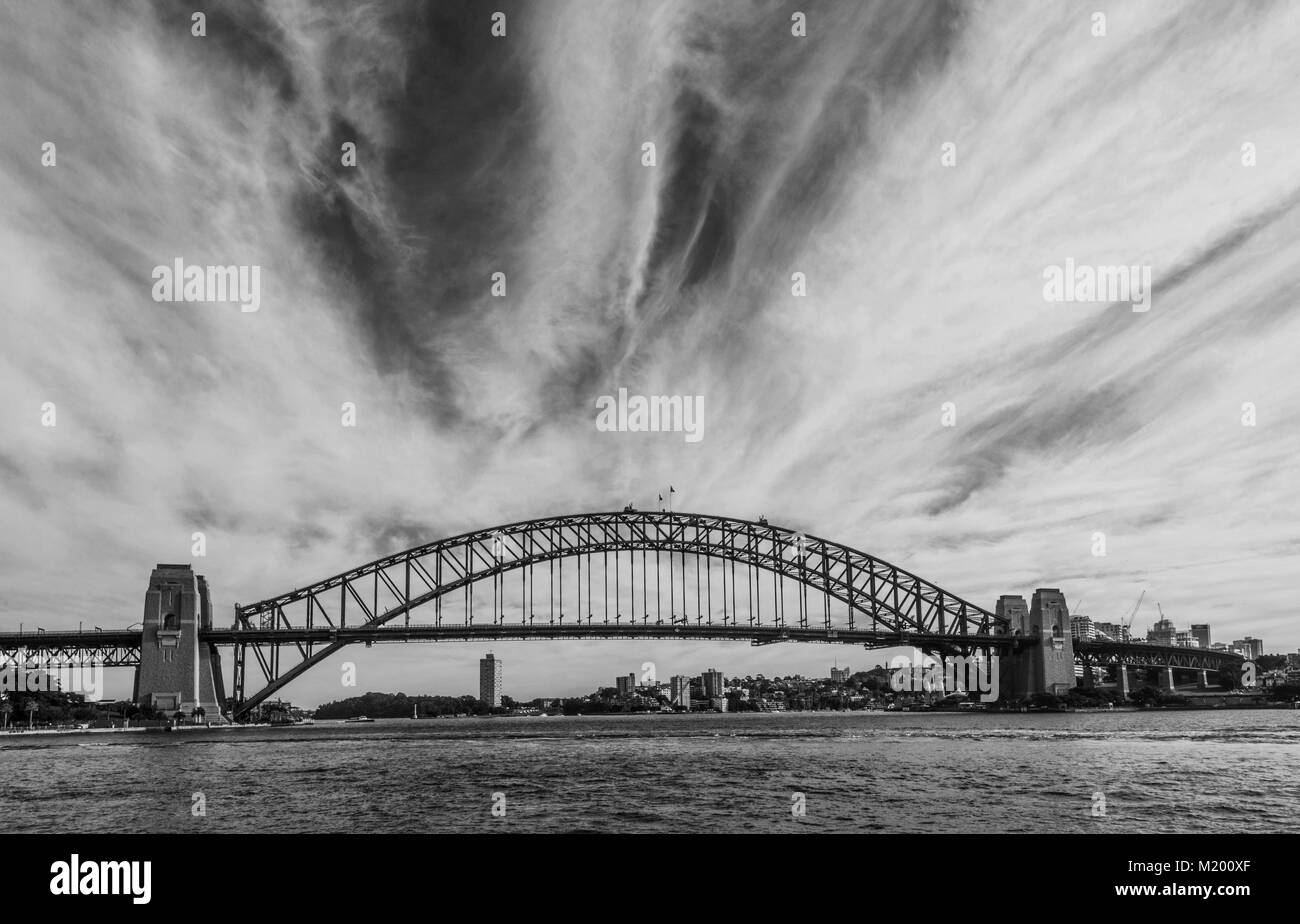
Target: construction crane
pixel 1129 624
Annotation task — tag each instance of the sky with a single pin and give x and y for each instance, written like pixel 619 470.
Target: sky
pixel 921 164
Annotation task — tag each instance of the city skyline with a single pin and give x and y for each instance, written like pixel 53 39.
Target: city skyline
pixel 661 676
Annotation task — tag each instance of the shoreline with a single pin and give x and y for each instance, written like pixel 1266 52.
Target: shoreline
pixel 5 734
pixel 11 733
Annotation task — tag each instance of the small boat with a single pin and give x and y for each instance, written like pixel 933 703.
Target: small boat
pixel 356 720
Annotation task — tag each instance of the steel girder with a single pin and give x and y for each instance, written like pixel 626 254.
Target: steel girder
pixel 1136 654
pixel 107 649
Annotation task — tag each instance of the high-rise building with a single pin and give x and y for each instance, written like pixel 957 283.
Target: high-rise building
pixel 697 689
pixel 680 691
pixel 1111 631
pixel 1184 638
pixel 712 684
pixel 1201 631
pixel 1251 647
pixel 489 681
pixel 1081 627
pixel 1163 633
pixel 626 684
pixel 840 675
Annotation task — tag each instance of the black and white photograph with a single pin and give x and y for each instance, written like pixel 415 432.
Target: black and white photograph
pixel 650 417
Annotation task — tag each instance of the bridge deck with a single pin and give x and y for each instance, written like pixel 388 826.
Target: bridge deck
pixel 128 639
pixel 122 638
pixel 627 630
pixel 1143 653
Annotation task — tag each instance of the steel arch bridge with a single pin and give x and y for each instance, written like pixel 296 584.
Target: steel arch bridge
pixel 723 578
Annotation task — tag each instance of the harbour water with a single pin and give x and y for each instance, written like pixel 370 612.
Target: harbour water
pixel 1209 771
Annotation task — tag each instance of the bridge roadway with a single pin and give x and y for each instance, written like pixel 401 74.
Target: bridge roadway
pixel 112 648
pixel 1140 654
pixel 61 641
pixel 758 635
pixel 121 647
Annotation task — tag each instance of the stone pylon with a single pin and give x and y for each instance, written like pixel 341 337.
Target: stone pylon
pixel 178 671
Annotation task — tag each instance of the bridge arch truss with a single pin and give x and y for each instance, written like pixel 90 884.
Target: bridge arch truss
pixel 723 578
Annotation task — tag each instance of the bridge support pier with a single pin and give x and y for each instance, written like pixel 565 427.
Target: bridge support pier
pixel 1045 663
pixel 1167 679
pixel 1122 672
pixel 178 672
pixel 1202 680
